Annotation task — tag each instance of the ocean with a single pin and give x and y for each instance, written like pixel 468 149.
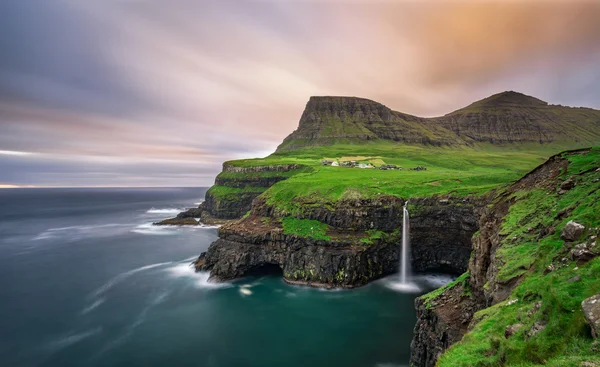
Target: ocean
pixel 86 280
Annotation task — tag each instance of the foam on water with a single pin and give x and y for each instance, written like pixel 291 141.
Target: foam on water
pixel 399 286
pixel 165 211
pixel 81 231
pixel 245 291
pixel 93 306
pixel 186 270
pixel 150 229
pixel 435 280
pixel 72 338
pixel 119 278
pixel 166 230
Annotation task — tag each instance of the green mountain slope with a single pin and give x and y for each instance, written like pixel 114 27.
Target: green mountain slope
pixel 507 117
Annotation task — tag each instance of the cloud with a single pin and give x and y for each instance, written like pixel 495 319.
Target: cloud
pixel 190 84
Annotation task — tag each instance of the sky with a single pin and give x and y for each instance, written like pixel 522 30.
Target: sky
pixel 160 93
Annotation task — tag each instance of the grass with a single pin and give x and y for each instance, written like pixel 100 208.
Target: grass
pixel 459 172
pixel 232 193
pixel 461 280
pixel 566 339
pixel 305 228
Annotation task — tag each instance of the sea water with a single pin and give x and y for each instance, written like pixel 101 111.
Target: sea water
pixel 86 280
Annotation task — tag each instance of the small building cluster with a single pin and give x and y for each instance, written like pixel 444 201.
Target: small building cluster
pixel 386 167
pixel 347 164
pixel 355 164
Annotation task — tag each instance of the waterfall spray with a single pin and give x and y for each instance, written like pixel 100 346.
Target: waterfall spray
pixel 405 256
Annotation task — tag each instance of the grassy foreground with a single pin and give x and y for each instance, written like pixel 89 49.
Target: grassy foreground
pixel 566 339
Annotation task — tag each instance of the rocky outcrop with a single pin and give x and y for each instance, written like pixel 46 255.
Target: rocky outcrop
pixel 255 246
pixel 441 229
pixel 591 310
pixel 234 190
pixel 572 231
pixel 441 322
pixel 231 206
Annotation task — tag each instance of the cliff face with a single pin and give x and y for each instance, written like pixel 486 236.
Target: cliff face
pixel 235 188
pixel 516 241
pixel 507 117
pixel 254 247
pixel 327 120
pixel 360 243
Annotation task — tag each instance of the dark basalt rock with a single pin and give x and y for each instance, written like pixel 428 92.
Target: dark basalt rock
pixel 177 222
pixel 254 247
pixel 441 229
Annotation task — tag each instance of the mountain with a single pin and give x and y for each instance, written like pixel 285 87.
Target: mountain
pixel 507 117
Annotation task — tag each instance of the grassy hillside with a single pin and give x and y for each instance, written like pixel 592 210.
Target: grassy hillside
pixel 544 299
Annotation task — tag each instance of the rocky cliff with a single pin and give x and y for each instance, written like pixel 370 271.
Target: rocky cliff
pixel 233 192
pixel 349 242
pixel 526 279
pixel 507 117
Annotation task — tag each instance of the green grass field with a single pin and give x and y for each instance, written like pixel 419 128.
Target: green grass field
pixel 457 171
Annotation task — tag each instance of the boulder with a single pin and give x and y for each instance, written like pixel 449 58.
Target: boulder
pixel 591 310
pixel 582 254
pixel 512 330
pixel 572 231
pixel 537 327
pixel 177 222
pixel 568 184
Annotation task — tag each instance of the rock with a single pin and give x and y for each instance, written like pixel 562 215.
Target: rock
pixel 568 184
pixel 563 213
pixel 588 364
pixel 549 269
pixel 511 330
pixel 574 279
pixel 536 307
pixel 582 254
pixel 591 311
pixel 177 222
pixel 572 231
pixel 536 328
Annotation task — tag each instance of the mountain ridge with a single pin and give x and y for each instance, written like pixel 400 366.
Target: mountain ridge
pixel 506 117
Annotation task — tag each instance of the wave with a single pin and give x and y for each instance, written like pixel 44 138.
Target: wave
pixel 71 339
pixel 119 278
pixel 151 229
pixel 129 329
pixel 77 232
pixel 93 306
pixel 201 278
pixel 166 230
pixel 165 211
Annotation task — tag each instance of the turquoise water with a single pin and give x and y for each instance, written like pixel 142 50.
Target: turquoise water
pixel 87 281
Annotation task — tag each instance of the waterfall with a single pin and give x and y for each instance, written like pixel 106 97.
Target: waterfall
pixel 405 256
